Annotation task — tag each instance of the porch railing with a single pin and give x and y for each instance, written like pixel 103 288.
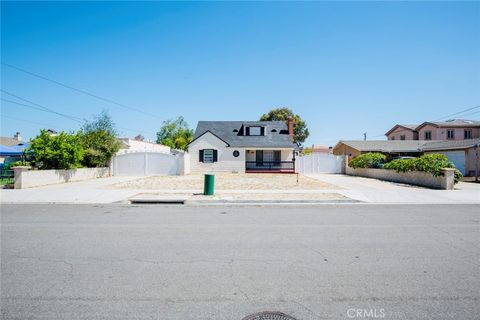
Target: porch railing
pixel 282 166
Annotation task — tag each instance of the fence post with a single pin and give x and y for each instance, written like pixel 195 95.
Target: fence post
pixel 145 163
pixel 17 176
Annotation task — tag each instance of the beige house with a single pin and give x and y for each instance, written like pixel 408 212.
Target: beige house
pixel 403 132
pixel 455 129
pixel 243 146
pixel 463 153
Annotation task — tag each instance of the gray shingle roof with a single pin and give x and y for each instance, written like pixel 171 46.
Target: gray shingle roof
pixel 408 126
pixel 384 145
pixel 450 144
pixel 408 145
pixel 452 123
pixel 225 131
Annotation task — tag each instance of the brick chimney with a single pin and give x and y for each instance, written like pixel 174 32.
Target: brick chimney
pixel 17 137
pixel 290 127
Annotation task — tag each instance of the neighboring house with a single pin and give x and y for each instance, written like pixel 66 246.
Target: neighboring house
pixel 11 149
pixel 243 146
pixel 11 141
pixel 403 132
pixel 463 153
pixel 320 149
pixel 139 145
pixel 455 129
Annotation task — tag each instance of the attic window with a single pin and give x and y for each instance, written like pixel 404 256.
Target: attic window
pixel 254 131
pixel 235 130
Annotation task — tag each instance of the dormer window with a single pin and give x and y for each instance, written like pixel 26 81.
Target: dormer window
pixel 255 131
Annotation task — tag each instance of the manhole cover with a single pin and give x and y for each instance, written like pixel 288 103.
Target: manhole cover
pixel 268 315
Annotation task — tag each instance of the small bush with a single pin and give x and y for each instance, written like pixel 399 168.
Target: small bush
pixel 367 160
pixel 433 163
pixel 16 164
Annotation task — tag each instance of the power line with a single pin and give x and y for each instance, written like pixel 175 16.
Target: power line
pixel 18 119
pixel 45 109
pixel 77 119
pixel 456 113
pixel 469 114
pixel 82 91
pixel 33 107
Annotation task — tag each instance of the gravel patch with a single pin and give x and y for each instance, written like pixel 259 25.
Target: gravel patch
pixel 228 181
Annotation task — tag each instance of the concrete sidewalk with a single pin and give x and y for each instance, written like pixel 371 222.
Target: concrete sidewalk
pixel 376 191
pixel 90 191
pixel 347 188
pixel 101 191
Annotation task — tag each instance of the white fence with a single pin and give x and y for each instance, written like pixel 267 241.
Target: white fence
pixel 145 164
pixel 25 178
pixel 320 163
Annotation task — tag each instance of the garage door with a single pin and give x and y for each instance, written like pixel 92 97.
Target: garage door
pixel 458 159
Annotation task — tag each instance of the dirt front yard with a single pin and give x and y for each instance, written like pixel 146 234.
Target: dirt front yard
pixel 228 181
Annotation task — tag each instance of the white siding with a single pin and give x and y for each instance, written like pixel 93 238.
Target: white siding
pixel 226 162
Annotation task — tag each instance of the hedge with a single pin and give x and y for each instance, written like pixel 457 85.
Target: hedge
pixel 368 160
pixel 433 163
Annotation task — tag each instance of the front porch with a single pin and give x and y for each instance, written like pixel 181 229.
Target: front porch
pixel 270 161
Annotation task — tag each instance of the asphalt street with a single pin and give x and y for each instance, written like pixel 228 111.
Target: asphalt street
pixel 180 262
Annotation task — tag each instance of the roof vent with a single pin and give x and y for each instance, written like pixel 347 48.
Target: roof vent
pixel 235 130
pixel 274 130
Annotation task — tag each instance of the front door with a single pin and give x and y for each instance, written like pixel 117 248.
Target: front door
pixel 259 158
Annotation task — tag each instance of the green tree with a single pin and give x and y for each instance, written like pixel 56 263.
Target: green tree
pixel 300 129
pixel 175 134
pixel 62 151
pixel 98 137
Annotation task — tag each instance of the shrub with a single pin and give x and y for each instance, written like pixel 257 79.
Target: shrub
pixel 16 164
pixel 62 151
pixel 368 160
pixel 98 141
pixel 432 163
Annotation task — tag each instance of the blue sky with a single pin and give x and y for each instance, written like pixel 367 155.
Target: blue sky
pixel 345 67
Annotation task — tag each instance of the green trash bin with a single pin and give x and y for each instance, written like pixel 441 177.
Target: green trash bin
pixel 208 186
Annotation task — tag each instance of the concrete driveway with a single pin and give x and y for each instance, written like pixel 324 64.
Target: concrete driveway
pixel 377 191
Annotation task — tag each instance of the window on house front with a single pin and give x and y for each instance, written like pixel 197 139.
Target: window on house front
pixel 402 137
pixel 208 156
pixel 450 134
pixel 467 134
pixel 428 135
pixel 254 131
pixel 393 138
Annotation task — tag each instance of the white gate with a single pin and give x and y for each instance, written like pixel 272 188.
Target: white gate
pixel 320 163
pixel 145 164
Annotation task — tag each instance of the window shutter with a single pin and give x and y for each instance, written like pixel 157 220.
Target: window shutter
pixel 247 131
pixel 214 155
pixel 262 131
pixel 200 155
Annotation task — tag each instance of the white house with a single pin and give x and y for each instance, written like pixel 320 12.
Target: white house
pixel 243 146
pixel 134 145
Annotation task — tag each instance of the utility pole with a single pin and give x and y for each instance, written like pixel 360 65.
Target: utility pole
pixel 476 163
pixel 364 136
